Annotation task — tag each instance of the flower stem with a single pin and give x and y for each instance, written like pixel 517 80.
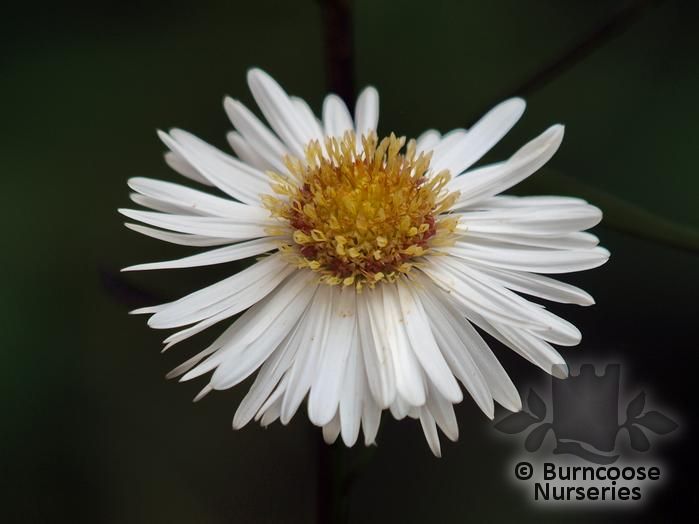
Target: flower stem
pixel 334 474
pixel 333 485
pixel 338 35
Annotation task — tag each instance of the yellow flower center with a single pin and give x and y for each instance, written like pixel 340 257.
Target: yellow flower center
pixel 364 213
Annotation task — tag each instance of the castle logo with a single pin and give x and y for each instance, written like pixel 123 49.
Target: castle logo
pixel 583 414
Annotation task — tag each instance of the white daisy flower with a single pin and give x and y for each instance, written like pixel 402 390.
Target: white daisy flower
pixel 376 257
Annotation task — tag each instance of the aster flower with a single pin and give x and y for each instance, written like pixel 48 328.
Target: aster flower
pixel 375 259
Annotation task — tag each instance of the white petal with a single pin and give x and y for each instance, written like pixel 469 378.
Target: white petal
pixel 427 141
pixel 217 297
pixel 256 134
pixel 195 144
pixel 533 260
pixel 301 286
pixel 430 429
pixel 204 391
pixel 366 112
pixel 269 376
pixel 371 418
pixel 191 362
pixel 279 111
pixel 544 221
pixel 577 240
pixel 163 207
pixel 493 179
pixel 315 333
pixel 184 168
pixel 538 201
pixel 443 412
pixel 224 337
pixel 247 153
pixel 195 201
pixel 479 297
pixel 548 325
pixel 409 380
pixel 179 238
pixel 258 319
pixel 522 342
pixel 424 345
pixel 462 364
pixel 469 356
pixel 273 403
pixel 332 429
pixel 231 176
pixel 241 363
pixel 226 309
pixel 481 137
pixel 242 228
pixel 539 286
pixel 447 144
pixel 305 113
pixel 271 413
pixel 215 256
pixel 326 390
pixel 336 117
pixel 401 407
pixel 535 350
pixel 240 324
pixel 375 350
pixel 254 295
pixel 353 393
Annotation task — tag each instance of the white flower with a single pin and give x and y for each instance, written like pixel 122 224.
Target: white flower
pixel 379 259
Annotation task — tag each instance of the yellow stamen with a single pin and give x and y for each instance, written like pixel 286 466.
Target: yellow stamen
pixel 362 214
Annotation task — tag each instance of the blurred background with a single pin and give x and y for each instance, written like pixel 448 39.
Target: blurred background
pixel 92 432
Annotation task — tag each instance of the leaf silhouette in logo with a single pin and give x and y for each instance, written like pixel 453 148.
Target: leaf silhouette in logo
pixel 638 439
pixel 536 437
pixel 536 405
pixel 515 423
pixel 635 407
pixel 657 422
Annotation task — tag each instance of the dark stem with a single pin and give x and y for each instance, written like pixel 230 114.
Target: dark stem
pixel 324 480
pixel 333 483
pixel 615 26
pixel 339 468
pixel 334 474
pixel 338 35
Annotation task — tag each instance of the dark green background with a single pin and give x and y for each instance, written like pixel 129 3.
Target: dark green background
pixel 90 430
